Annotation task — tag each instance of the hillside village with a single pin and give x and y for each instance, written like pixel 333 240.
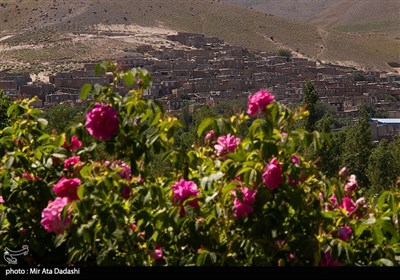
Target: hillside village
pixel 210 70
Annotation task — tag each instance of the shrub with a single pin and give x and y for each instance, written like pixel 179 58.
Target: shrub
pixel 228 201
pixel 284 52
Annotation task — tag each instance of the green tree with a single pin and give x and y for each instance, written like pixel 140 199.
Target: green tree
pixel 63 115
pixel 358 147
pixel 284 52
pixel 383 165
pixel 310 99
pixel 359 77
pixel 373 111
pixel 5 102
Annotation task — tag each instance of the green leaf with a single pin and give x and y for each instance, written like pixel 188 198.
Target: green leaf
pixel 378 235
pixel 360 229
pixel 11 109
pixel 43 122
pixel 213 257
pixel 129 79
pixel 100 69
pixel 80 191
pixel 204 124
pixel 269 150
pixel 9 162
pixel 381 200
pixel 38 154
pixel 370 221
pixel 59 240
pixel 211 197
pixel 60 140
pixel 339 247
pixel 144 71
pixel 85 171
pixel 154 236
pixel 85 91
pixel 243 170
pixel 97 89
pixel 386 262
pixel 57 155
pixel 201 258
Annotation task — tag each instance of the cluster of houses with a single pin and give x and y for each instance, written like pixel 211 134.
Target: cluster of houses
pixel 208 71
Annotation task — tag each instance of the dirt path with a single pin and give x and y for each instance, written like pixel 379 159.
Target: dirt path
pixel 324 35
pixel 280 45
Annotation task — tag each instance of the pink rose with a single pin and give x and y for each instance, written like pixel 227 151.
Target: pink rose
pixel 258 102
pixel 272 176
pixel 244 206
pixel 344 233
pixel 102 122
pixel 210 135
pixel 125 169
pixel 67 188
pixel 1 200
pixel 351 185
pixel 328 261
pixel 70 162
pixel 333 200
pixel 124 173
pixel 30 177
pixel 74 145
pixel 360 201
pixel 348 204
pixel 296 160
pixel 51 216
pixel 226 144
pixel 158 253
pixel 183 190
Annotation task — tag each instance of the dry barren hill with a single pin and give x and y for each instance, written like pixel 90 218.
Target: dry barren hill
pixel 344 15
pixel 295 9
pixel 40 34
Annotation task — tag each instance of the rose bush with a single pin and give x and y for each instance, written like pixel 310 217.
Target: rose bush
pixel 227 201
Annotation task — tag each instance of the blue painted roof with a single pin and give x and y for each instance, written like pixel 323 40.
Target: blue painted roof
pixel 386 121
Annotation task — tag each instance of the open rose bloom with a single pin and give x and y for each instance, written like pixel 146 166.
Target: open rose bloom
pixel 183 190
pixel 102 122
pixel 272 176
pixel 67 188
pixel 226 144
pixel 244 206
pixel 258 102
pixel 51 216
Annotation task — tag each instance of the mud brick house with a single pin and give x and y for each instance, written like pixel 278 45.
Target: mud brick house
pixel 40 90
pixel 127 63
pixel 189 39
pixel 384 128
pixel 10 83
pixel 60 97
pixel 9 86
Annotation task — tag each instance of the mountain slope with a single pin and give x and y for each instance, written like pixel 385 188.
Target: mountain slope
pixel 50 32
pixel 362 16
pixel 343 15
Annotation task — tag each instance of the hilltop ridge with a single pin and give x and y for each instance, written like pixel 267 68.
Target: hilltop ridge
pixel 53 32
